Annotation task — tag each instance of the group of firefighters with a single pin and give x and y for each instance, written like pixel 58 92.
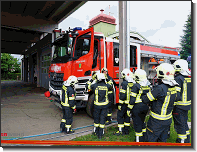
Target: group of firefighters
pixel 171 97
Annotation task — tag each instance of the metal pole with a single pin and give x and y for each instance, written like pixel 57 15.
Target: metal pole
pixel 128 35
pixel 121 33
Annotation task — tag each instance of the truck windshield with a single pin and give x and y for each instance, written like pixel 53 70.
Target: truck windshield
pixel 62 48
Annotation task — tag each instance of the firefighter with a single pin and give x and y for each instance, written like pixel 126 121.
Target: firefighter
pixel 180 111
pixel 68 104
pixel 101 103
pixel 124 97
pixel 162 99
pixel 110 96
pixel 139 109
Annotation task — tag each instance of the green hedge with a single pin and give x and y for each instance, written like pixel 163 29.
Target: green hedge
pixel 10 76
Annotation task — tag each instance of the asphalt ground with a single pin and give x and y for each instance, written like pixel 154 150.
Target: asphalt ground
pixel 26 112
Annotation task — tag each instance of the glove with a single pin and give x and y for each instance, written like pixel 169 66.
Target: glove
pixel 128 113
pixel 74 110
pixel 119 107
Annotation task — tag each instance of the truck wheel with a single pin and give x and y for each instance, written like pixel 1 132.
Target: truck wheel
pixel 90 105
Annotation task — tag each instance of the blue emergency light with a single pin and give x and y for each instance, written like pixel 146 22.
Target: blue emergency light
pixel 77 29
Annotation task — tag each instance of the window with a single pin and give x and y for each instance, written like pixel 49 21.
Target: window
pixel 82 46
pixel 133 56
pixel 45 63
pixel 95 54
pixel 116 54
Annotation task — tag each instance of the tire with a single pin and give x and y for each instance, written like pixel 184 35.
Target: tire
pixel 90 105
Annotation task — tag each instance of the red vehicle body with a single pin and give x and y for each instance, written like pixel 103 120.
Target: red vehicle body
pixel 90 51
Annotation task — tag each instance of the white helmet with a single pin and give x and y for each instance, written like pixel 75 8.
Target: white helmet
pixel 72 80
pixel 100 76
pixel 165 71
pixel 141 77
pixel 104 69
pixel 181 66
pixel 127 75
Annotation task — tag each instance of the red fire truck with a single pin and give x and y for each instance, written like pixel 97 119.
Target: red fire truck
pixel 80 52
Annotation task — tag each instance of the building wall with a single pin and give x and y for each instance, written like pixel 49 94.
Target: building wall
pixel 105 28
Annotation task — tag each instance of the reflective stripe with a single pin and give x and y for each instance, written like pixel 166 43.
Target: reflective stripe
pixel 109 92
pixel 96 96
pixel 96 125
pixel 187 132
pixel 63 120
pixel 120 125
pixel 130 106
pixel 126 124
pixel 188 80
pixel 150 96
pixel 71 98
pixel 66 98
pixel 109 114
pixel 184 94
pixel 73 107
pixel 120 101
pixel 122 90
pixel 144 130
pixel 128 95
pixel 178 89
pixel 161 117
pixel 101 126
pixel 89 85
pixel 68 126
pixel 182 136
pixel 165 104
pixel 183 103
pixel 126 101
pixel 133 94
pixel 138 101
pixel 139 133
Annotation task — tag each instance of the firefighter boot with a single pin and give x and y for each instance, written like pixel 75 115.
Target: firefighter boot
pixel 119 132
pixel 69 131
pixel 101 133
pixel 96 130
pixel 125 131
pixel 109 120
pixel 62 125
pixel 139 139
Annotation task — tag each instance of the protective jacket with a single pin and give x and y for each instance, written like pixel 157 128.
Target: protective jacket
pixel 101 90
pixel 184 89
pixel 162 99
pixel 139 110
pixel 68 97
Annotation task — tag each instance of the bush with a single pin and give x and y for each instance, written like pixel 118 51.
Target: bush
pixel 10 76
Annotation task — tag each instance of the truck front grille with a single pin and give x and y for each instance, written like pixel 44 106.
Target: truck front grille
pixel 56 80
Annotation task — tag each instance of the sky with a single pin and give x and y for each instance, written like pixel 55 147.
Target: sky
pixel 161 22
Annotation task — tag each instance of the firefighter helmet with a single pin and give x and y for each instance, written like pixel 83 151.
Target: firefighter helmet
pixel 94 75
pixel 165 71
pixel 104 69
pixel 127 74
pixel 140 75
pixel 100 76
pixel 181 66
pixel 71 81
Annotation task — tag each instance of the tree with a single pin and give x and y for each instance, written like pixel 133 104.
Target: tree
pixel 186 39
pixel 9 64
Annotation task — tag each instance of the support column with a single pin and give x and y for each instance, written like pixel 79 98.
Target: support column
pixel 31 69
pixel 122 42
pixel 38 69
pixel 25 69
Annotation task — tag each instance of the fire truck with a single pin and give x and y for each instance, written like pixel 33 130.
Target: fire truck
pixel 80 52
